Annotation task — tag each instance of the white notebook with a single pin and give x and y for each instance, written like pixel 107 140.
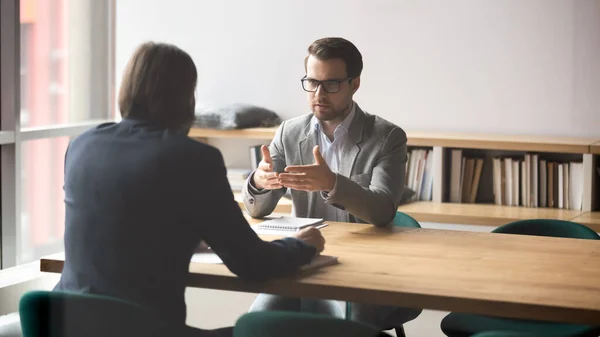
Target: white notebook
pixel 288 223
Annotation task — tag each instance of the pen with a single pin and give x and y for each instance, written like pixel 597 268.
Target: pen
pixel 322 226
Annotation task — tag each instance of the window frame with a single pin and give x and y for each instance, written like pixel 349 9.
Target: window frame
pixel 12 136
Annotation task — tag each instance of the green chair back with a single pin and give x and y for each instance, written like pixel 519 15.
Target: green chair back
pixel 295 324
pixel 405 220
pixel 507 334
pixel 461 324
pixel 549 227
pixel 63 314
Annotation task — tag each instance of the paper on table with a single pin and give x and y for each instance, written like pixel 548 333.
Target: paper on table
pixel 206 257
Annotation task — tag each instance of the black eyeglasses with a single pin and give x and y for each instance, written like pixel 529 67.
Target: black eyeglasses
pixel 331 86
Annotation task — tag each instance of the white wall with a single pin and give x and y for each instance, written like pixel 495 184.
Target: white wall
pixel 510 66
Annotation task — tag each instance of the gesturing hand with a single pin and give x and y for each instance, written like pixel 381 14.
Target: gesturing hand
pixel 264 177
pixel 314 177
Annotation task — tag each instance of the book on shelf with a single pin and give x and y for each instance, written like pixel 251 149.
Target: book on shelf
pixel 535 182
pixel 419 173
pixel 465 174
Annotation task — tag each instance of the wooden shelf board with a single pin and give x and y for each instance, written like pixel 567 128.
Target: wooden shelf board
pixel 490 141
pixel 446 139
pixel 253 133
pixel 595 148
pixel 478 214
pixel 590 219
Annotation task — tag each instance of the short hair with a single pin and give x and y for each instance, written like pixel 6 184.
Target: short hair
pixel 337 48
pixel 158 86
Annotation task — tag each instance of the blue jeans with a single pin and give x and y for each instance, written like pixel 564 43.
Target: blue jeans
pixel 382 317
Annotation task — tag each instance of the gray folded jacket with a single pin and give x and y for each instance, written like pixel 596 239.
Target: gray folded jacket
pixel 236 116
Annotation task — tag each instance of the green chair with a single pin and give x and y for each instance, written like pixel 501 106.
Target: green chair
pixel 405 220
pixel 508 334
pixel 400 220
pixel 294 324
pixel 63 314
pixel 460 324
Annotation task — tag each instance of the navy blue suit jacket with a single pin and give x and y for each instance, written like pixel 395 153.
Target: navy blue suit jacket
pixel 139 199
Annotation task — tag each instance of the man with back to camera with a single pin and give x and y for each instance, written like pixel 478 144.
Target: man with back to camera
pixel 340 163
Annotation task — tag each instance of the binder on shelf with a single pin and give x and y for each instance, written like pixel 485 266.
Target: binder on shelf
pixel 255 156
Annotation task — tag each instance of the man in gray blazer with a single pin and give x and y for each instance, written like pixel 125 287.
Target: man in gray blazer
pixel 340 163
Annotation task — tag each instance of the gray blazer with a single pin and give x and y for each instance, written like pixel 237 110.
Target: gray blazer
pixel 371 175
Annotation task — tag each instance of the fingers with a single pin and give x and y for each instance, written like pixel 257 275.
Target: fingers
pixel 297 181
pixel 266 180
pixel 313 237
pixel 319 160
pixel 300 168
pixel 269 180
pixel 266 154
pixel 292 177
pixel 264 166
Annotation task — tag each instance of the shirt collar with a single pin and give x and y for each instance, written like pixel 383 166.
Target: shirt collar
pixel 345 124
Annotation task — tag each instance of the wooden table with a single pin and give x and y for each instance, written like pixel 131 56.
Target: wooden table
pixel 495 274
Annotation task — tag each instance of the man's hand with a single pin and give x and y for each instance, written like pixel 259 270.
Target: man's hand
pixel 315 177
pixel 264 177
pixel 312 236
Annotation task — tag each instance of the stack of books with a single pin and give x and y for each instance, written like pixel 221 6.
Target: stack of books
pixel 465 175
pixel 534 182
pixel 419 173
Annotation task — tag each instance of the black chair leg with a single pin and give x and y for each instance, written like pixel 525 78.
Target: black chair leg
pixel 400 331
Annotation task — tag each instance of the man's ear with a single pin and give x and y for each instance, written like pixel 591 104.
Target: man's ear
pixel 355 84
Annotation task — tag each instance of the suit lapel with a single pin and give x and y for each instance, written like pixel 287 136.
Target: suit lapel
pixel 354 138
pixel 305 149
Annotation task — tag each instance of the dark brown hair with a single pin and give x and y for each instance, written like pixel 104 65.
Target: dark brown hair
pixel 158 86
pixel 337 48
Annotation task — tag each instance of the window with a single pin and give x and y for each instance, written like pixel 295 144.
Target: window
pixel 42 207
pixel 59 84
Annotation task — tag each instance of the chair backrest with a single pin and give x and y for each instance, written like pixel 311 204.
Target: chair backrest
pixel 405 220
pixel 63 314
pixel 549 227
pixel 295 324
pixel 507 334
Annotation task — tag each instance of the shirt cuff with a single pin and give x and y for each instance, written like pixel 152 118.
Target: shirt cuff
pixel 331 194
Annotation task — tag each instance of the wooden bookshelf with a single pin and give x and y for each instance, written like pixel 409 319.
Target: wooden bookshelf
pixel 253 133
pixel 595 148
pixel 489 141
pixel 590 219
pixel 476 214
pixel 444 139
